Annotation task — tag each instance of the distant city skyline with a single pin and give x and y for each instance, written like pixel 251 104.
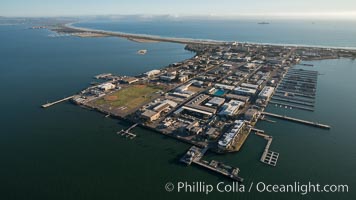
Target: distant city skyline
pixel 344 9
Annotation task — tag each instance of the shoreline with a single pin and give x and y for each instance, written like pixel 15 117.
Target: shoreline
pixel 156 38
pixel 141 37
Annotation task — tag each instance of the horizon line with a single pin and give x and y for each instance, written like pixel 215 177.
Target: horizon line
pixel 292 15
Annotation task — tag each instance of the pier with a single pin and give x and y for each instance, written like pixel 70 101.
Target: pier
pixel 127 132
pixel 195 154
pixel 257 130
pixel 297 120
pixel 268 157
pixel 220 168
pixel 56 102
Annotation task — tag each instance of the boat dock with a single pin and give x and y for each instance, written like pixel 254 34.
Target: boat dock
pixel 268 157
pixel 195 154
pixel 297 89
pixel 297 120
pixel 292 106
pixel 257 130
pixel 127 132
pixel 56 102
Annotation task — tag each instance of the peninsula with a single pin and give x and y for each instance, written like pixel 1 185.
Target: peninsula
pixel 212 100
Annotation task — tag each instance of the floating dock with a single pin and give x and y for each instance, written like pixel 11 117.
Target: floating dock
pixel 297 120
pixel 56 102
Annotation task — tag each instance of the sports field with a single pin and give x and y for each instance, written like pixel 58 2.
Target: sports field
pixel 130 97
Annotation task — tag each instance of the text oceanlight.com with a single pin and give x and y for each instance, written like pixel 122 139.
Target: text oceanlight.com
pixel 295 187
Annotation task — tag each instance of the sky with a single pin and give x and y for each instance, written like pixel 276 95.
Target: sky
pixel 177 8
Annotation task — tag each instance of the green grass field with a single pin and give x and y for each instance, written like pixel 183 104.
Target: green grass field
pixel 130 97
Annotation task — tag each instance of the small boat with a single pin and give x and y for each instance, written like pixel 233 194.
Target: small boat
pixel 142 51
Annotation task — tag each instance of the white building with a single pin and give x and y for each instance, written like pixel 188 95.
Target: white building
pixel 167 77
pixel 152 72
pixel 245 91
pixel 231 108
pixel 266 93
pixel 228 137
pixel 106 86
pixel 225 87
pixel 248 85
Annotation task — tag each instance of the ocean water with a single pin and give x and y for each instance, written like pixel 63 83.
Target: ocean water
pixel 66 152
pixel 299 32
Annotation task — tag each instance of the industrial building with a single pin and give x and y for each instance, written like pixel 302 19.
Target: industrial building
pixel 231 108
pixel 130 80
pixel 251 114
pixel 225 87
pixel 152 72
pixel 215 101
pixel 238 97
pixel 167 77
pixel 106 86
pixel 251 86
pixel 245 91
pixel 266 93
pixel 194 106
pixel 150 115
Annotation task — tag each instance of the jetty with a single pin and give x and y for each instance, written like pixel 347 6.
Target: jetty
pixel 319 125
pixel 47 105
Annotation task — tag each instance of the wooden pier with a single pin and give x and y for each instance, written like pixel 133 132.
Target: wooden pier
pixel 297 120
pixel 56 102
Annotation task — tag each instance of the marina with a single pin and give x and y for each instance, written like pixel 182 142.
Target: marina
pixel 297 89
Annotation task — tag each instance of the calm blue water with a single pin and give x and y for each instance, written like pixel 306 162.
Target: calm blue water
pixel 66 152
pixel 323 33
